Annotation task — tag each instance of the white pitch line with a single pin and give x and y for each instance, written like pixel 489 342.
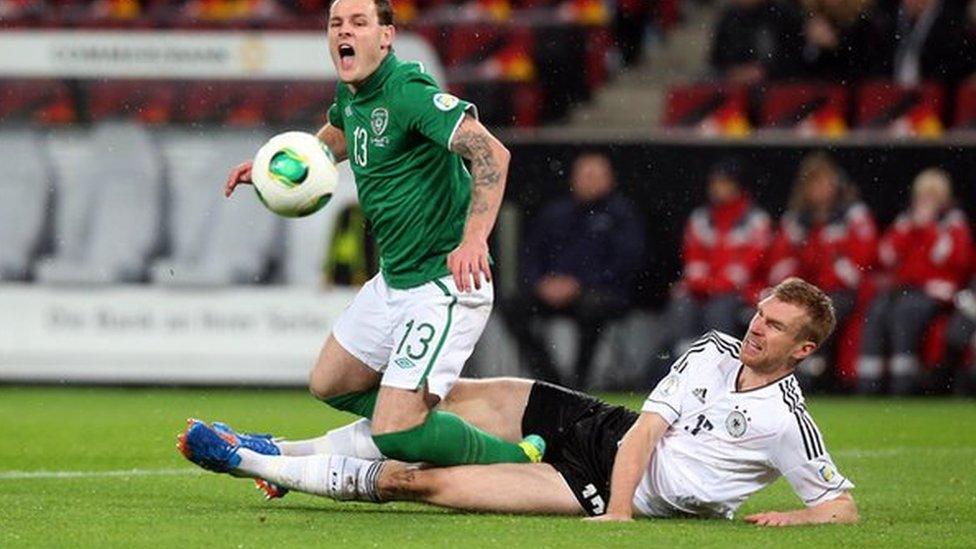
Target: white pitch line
pixel 845 453
pixel 898 450
pixel 26 475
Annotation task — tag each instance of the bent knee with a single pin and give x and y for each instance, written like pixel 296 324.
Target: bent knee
pixel 321 383
pixel 384 423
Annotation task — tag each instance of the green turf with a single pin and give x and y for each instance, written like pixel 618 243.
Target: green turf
pixel 914 463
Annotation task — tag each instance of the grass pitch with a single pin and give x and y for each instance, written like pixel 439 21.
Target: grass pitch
pixel 98 467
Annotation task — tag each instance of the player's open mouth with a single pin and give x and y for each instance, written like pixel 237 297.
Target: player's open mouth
pixel 752 344
pixel 346 56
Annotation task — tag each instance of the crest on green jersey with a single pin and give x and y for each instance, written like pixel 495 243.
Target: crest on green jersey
pixel 379 120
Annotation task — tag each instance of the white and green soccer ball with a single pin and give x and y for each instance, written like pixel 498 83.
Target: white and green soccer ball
pixel 294 174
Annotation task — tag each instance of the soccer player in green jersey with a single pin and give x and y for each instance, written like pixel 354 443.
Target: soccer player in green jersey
pixel 400 346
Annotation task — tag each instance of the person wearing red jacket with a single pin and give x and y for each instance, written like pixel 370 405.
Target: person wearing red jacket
pixel 829 238
pixel 952 374
pixel 927 253
pixel 724 249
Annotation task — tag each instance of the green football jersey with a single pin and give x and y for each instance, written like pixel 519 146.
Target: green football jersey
pixel 412 188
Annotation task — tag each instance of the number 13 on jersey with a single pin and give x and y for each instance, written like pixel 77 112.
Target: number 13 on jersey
pixel 360 143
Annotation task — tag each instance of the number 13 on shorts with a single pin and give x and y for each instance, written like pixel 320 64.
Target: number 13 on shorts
pixel 436 333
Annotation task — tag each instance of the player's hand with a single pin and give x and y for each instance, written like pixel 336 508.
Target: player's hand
pixel 469 261
pixel 617 517
pixel 771 518
pixel 241 174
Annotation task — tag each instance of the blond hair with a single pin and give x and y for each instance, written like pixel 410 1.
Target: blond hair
pixel 934 180
pixel 817 305
pixel 814 165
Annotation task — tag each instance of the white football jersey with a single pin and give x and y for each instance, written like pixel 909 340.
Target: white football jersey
pixel 725 445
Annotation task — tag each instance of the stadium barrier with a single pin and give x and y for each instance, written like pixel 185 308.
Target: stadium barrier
pixel 150 335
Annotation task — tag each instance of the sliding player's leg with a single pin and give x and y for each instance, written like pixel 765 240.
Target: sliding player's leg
pixel 535 488
pixel 511 488
pixel 335 476
pixel 494 405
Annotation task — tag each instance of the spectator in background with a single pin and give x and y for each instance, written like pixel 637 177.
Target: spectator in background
pixel 959 341
pixel 725 244
pixel 926 40
pixel 827 237
pixel 579 260
pixel 927 252
pixel 630 23
pixel 840 38
pixel 758 39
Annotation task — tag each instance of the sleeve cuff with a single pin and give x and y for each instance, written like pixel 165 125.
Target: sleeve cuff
pixel 661 408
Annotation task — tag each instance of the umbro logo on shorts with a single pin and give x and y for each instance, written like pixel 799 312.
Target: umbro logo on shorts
pixel 404 363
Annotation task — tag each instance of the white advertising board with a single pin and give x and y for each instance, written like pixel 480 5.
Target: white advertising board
pixel 266 336
pixel 210 55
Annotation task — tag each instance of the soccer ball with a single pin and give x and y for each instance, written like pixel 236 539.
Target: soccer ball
pixel 294 174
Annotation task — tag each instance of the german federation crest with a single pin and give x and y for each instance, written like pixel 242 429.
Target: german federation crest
pixel 378 120
pixel 736 423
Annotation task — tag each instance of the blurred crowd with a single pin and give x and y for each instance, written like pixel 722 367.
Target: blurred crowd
pixel 845 41
pixel 903 294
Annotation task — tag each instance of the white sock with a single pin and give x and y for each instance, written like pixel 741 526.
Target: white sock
pixel 353 440
pixel 334 476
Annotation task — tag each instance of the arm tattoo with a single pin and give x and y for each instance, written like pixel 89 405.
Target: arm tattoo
pixel 485 173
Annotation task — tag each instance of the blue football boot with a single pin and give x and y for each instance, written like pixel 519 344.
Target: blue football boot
pixel 260 443
pixel 205 447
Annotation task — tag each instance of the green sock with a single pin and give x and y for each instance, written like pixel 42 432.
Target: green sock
pixel 361 404
pixel 446 439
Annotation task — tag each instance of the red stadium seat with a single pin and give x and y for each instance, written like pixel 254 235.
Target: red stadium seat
pixel 304 103
pixel 471 43
pixel 714 108
pixel 39 100
pixel 885 105
pixel 818 109
pixel 965 117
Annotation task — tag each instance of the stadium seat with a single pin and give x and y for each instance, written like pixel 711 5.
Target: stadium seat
pixel 965 111
pixel 109 206
pixel 711 108
pixel 301 103
pixel 884 105
pixel 214 241
pixel 24 196
pixel 816 109
pixel 37 100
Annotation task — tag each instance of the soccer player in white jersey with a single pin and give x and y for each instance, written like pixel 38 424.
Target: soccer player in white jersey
pixel 726 422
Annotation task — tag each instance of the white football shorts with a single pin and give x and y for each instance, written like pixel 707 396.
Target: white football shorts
pixel 420 335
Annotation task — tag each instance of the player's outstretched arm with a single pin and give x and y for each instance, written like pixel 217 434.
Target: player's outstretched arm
pixel 628 467
pixel 335 140
pixel 841 510
pixel 489 169
pixel 329 134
